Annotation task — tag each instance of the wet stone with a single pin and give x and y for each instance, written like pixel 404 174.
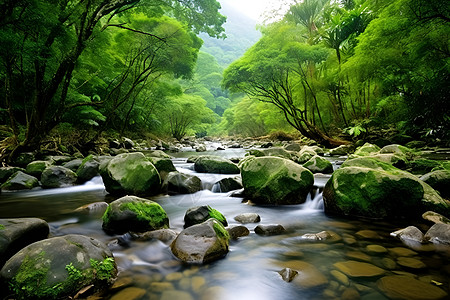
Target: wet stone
pixel 288 274
pixel 308 275
pixel 350 294
pixel 376 249
pixel 410 262
pixel 270 229
pixel 130 293
pixel 248 218
pixel 341 277
pixel 435 217
pixel 358 269
pixel 358 256
pixel 178 295
pixel 323 235
pixel 197 283
pixel 174 276
pixel 368 234
pixel 238 231
pixel 160 287
pixel 410 233
pixel 401 251
pixel 388 263
pixel 405 287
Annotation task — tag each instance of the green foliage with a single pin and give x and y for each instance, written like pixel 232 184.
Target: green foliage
pixel 2 227
pixel 152 213
pixel 221 232
pixel 214 213
pixel 103 270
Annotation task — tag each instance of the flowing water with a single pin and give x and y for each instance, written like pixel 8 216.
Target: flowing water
pixel 148 270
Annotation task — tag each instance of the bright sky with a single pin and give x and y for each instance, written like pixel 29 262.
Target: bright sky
pixel 252 8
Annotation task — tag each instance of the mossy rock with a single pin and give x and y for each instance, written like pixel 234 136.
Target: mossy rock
pixel 215 164
pixel 20 181
pixel 274 180
pixel 88 169
pixel 130 173
pixel 304 155
pixel 367 149
pixel 179 183
pixel 131 213
pixel 35 168
pixel 202 243
pixel 422 166
pixel 366 187
pixel 319 164
pixel 163 165
pixel 58 176
pixel 275 151
pixel 199 214
pixel 6 172
pixel 59 267
pixel 439 180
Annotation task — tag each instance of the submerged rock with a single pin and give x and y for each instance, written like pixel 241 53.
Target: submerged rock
pixel 409 234
pixel 18 233
pixel 359 269
pixel 199 214
pixel 59 267
pixel 136 214
pixel 130 173
pixel 274 180
pixel 273 229
pixel 302 274
pixel 407 287
pixel 366 187
pixel 201 243
pixel 248 218
pixel 438 234
pixel 215 164
pixel 20 181
pixel 58 176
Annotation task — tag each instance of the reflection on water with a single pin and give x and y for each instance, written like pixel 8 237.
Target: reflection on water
pixel 249 271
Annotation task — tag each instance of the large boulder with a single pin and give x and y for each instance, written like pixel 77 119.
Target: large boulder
pixel 130 173
pixel 199 214
pixel 367 149
pixel 438 234
pixel 228 184
pixel 6 172
pixel 20 181
pixel 275 151
pixel 366 187
pixel 215 164
pixel 131 213
pixel 59 267
pixel 201 243
pixel 18 233
pixel 163 165
pixel 179 183
pixel 58 176
pixel 319 164
pixel 305 154
pixel 88 169
pixel 439 180
pixel 274 180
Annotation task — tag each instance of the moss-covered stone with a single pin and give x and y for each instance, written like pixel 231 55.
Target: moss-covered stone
pixel 366 187
pixel 59 267
pixel 88 168
pixel 274 180
pixel 6 172
pixel 130 173
pixel 20 181
pixel 319 164
pixel 422 166
pixel 36 167
pixel 304 155
pixel 136 214
pixel 215 164
pixel 439 180
pixel 58 176
pixel 199 214
pixel 367 149
pixel 163 165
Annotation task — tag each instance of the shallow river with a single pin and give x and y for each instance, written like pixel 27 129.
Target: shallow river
pixel 148 270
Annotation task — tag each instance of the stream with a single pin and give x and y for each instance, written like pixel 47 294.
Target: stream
pixel 148 270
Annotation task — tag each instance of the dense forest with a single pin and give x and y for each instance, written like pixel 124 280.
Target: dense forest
pixel 75 71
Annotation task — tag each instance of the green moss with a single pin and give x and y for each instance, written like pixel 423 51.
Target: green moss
pixel 2 227
pixel 215 214
pixel 106 214
pixel 150 212
pixel 103 270
pixel 221 232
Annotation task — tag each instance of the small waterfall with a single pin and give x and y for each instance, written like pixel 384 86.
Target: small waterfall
pixel 314 201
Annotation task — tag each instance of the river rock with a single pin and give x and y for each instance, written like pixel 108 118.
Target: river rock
pixel 435 217
pixel 366 187
pixel 88 169
pixel 358 269
pixel 129 293
pixel 199 214
pixel 215 164
pixel 35 168
pixel 164 235
pixel 238 231
pixel 274 180
pixel 341 150
pixel 367 149
pixel 410 262
pixel 157 154
pixel 59 267
pixel 18 233
pixel 127 143
pixel 131 213
pixel 308 276
pixel 272 229
pixel 287 274
pixel 409 234
pixel 179 183
pixel 163 165
pixel 439 180
pixel 401 251
pixel 319 164
pixel 226 185
pixel 6 172
pixel 322 236
pixel 73 165
pixel 57 177
pixel 130 173
pixel 248 218
pixel 304 155
pixel 409 288
pixel 293 147
pixel 201 243
pixel 438 234
pixel 20 181
pixel 24 158
pixel 200 148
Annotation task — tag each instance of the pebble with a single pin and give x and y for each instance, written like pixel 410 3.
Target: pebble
pixel 358 255
pixel 160 287
pixel 350 294
pixel 401 251
pixel 358 269
pixel 178 295
pixel 174 276
pixel 341 277
pixel 376 249
pixel 198 283
pixel 368 234
pixel 410 262
pixel 130 293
